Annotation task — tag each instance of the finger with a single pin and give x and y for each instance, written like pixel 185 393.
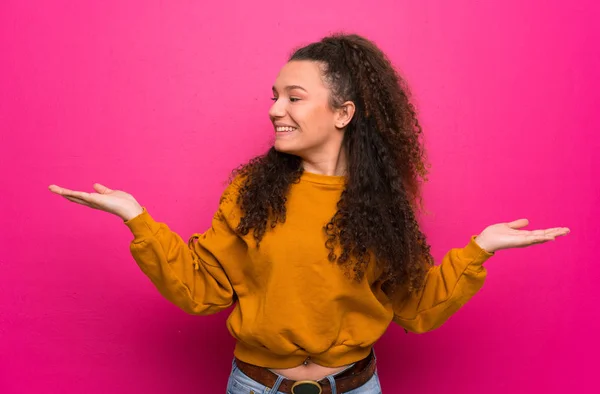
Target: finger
pixel 101 188
pixel 548 233
pixel 88 199
pixel 531 234
pixel 551 233
pixel 558 231
pixel 78 201
pixel 518 223
pixel 527 244
pixel 64 191
pixel 542 241
pixel 55 189
pixel 538 240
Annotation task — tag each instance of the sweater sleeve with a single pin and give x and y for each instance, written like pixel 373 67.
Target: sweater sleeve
pixel 190 275
pixel 448 286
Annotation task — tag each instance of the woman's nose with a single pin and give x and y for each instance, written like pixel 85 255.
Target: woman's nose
pixel 277 110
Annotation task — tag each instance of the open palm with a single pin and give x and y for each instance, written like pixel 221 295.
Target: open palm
pixel 116 202
pixel 509 235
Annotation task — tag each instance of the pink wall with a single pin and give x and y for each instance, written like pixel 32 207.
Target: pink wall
pixel 162 99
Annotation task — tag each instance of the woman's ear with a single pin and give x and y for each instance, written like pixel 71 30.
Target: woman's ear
pixel 344 114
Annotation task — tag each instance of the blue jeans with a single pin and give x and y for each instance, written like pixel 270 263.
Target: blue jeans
pixel 239 383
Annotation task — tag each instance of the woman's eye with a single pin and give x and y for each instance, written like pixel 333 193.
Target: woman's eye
pixel 292 99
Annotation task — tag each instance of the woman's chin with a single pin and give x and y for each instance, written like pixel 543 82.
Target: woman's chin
pixel 284 147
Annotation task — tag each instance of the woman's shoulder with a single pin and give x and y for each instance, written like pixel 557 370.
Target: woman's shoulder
pixel 232 191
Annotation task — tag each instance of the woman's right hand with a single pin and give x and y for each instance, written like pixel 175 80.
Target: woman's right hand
pixel 116 202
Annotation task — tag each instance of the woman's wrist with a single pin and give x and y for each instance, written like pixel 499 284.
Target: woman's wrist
pixel 480 241
pixel 133 212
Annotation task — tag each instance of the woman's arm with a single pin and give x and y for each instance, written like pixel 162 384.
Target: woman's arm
pixel 461 274
pixel 190 275
pixel 447 287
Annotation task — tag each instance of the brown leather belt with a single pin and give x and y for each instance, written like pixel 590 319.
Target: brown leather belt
pixel 353 377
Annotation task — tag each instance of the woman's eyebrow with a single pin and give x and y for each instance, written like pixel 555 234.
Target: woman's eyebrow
pixel 290 87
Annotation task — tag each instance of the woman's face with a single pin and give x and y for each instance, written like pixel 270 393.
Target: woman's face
pixel 305 124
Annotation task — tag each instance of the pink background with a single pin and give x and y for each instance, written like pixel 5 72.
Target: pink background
pixel 162 99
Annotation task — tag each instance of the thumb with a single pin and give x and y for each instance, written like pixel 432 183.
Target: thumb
pixel 518 223
pixel 101 188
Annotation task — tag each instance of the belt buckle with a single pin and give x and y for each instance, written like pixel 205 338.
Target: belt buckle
pixel 306 387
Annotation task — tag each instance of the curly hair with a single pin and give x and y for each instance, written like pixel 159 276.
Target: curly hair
pixel 375 215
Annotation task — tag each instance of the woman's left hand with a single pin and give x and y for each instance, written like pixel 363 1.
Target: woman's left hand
pixel 507 235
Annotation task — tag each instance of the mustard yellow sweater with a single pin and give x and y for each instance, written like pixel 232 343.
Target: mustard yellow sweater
pixel 290 301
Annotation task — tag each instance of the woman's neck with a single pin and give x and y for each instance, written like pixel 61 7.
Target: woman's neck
pixel 328 164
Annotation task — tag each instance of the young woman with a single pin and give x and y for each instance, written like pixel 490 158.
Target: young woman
pixel 317 243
